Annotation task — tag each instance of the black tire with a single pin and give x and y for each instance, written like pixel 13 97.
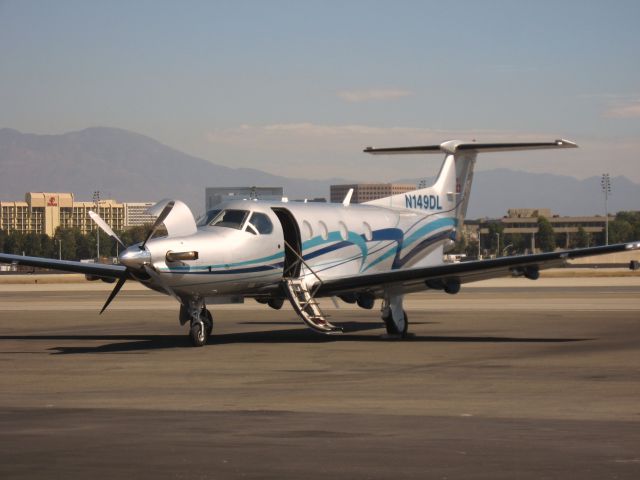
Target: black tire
pixel 198 334
pixel 391 327
pixel 208 321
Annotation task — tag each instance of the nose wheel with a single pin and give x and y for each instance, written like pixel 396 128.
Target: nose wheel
pixel 200 324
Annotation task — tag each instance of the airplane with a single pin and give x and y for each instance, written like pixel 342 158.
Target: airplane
pixel 279 251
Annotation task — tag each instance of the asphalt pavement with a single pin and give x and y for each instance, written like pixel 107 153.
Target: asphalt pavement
pixel 506 380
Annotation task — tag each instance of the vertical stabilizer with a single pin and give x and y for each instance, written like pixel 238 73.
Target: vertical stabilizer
pixel 463 154
pixel 440 198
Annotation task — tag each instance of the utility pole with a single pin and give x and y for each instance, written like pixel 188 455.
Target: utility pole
pixel 96 200
pixel 498 245
pixel 533 243
pixel 59 249
pixel 479 242
pixel 605 183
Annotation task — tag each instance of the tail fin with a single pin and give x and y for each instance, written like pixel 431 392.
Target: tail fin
pixel 464 156
pixel 440 198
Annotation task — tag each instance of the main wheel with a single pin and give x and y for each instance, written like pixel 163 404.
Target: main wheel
pixel 207 318
pixel 198 334
pixel 392 328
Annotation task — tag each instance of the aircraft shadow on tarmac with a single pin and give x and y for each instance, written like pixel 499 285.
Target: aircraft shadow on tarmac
pixel 144 343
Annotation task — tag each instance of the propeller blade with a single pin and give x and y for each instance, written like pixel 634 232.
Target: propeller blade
pixel 157 278
pixel 114 292
pixel 163 215
pixel 105 227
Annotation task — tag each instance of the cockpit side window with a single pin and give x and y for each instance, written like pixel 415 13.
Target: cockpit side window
pixel 230 219
pixel 207 217
pixel 259 223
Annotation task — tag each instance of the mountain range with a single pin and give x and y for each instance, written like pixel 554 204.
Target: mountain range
pixel 127 166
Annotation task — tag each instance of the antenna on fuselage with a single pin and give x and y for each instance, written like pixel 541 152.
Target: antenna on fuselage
pixel 347 198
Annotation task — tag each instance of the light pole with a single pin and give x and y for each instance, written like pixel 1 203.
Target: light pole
pixel 479 242
pixel 605 183
pixel 96 200
pixel 498 245
pixel 59 249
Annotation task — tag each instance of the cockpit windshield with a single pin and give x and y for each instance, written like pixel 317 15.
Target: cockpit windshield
pixel 230 219
pixel 207 217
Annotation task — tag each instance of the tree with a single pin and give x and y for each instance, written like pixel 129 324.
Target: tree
pixel 472 249
pixel 136 234
pixel 517 241
pixel 14 243
pixel 546 238
pixel 65 243
pixel 582 238
pixel 85 245
pixel 37 245
pixel 620 231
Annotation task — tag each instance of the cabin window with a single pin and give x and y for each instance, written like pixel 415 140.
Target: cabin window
pixel 344 231
pixel 230 219
pixel 207 217
pixel 368 234
pixel 308 229
pixel 259 224
pixel 324 231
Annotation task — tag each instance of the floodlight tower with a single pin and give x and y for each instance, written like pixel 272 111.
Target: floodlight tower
pixel 96 200
pixel 605 183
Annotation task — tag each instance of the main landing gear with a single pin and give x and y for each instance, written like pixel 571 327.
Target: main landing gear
pixel 394 317
pixel 200 321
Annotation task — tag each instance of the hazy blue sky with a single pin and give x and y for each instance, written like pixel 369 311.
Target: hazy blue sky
pixel 298 88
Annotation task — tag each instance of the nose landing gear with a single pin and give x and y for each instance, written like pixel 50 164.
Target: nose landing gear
pixel 200 321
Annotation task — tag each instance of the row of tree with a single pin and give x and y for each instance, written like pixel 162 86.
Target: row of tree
pixel 74 245
pixel 625 227
pixel 68 244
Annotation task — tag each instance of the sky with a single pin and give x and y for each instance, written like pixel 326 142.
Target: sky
pixel 298 88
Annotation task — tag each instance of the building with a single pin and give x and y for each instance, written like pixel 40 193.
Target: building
pixel 217 195
pixel 364 192
pixel 43 212
pixel 524 222
pixel 135 214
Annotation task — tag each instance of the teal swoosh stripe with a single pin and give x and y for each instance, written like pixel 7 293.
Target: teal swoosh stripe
pixel 418 234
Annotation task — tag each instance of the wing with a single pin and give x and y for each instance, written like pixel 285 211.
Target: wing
pixel 452 275
pixel 95 269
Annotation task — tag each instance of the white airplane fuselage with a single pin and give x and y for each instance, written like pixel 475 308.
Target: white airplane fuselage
pixel 334 241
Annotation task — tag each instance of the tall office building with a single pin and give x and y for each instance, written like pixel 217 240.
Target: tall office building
pixel 364 192
pixel 216 195
pixel 43 212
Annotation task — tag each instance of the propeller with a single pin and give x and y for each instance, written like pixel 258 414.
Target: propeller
pixel 105 227
pixel 114 292
pixel 161 218
pixel 135 260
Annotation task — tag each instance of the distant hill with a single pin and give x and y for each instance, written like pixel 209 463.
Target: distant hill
pixel 130 167
pixel 125 166
pixel 495 191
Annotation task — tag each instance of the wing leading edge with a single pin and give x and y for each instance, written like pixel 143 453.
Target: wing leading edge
pixel 415 279
pixel 96 269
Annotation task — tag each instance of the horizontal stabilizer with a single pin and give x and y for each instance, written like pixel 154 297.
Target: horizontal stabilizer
pixel 455 146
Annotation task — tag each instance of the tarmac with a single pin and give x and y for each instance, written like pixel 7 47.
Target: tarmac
pixel 508 379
